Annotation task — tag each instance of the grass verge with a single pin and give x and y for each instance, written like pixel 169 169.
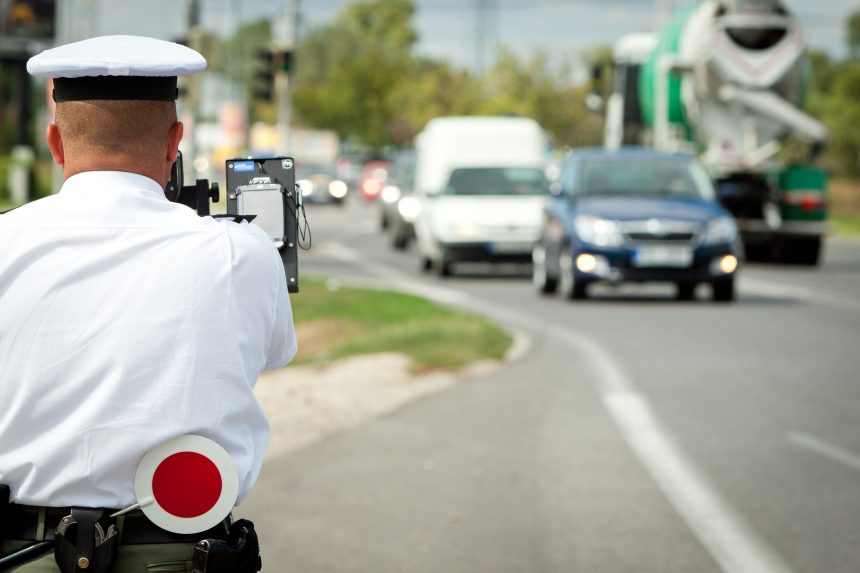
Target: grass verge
pixel 844 198
pixel 846 225
pixel 335 322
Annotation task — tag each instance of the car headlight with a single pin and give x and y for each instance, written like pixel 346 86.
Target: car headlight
pixel 337 189
pixel 306 185
pixel 721 230
pixel 597 231
pixel 390 193
pixel 409 208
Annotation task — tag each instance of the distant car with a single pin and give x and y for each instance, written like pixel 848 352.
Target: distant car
pixel 319 183
pixel 635 215
pixel 398 207
pixel 373 179
pixel 349 168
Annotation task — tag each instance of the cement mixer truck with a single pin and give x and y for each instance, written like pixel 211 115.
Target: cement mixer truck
pixel 727 79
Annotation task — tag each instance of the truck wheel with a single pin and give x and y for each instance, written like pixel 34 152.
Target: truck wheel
pixel 723 290
pixel 803 251
pixel 426 264
pixel 543 283
pixel 568 286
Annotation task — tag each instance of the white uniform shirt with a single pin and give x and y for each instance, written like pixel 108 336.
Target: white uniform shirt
pixel 127 320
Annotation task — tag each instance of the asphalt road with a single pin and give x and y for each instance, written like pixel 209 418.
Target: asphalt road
pixel 635 433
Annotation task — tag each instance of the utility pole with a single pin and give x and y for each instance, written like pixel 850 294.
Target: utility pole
pixel 485 14
pixel 192 82
pixel 285 43
pixel 661 12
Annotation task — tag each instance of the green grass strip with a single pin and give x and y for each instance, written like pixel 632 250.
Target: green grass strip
pixel 371 321
pixel 846 225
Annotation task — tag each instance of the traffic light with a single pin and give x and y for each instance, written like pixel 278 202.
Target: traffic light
pixel 264 75
pixel 269 63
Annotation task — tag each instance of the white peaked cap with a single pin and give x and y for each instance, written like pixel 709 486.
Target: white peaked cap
pixel 117 56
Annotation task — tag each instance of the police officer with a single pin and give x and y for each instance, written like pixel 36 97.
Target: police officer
pixel 125 320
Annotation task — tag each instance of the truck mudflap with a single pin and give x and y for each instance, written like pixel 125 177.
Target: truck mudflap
pixel 792 242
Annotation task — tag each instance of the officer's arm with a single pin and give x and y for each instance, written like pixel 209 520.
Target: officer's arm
pixel 282 347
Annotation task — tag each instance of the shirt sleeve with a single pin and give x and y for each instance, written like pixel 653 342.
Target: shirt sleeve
pixel 283 345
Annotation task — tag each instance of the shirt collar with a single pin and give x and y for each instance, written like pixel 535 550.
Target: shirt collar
pixel 101 181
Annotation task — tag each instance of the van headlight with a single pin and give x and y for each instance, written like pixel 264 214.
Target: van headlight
pixel 597 231
pixel 721 230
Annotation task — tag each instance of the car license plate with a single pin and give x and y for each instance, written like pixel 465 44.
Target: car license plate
pixel 508 247
pixel 663 256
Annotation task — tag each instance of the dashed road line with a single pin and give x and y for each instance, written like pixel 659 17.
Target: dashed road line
pixel 822 448
pixel 795 292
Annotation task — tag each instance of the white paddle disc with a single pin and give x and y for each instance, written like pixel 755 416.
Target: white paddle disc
pixel 186 485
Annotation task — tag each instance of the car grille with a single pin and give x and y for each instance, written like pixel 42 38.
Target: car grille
pixel 641 237
pixel 660 231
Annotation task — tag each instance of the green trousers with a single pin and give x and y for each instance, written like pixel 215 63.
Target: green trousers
pixel 153 558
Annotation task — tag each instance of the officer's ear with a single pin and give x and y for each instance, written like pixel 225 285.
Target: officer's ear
pixel 174 136
pixel 55 143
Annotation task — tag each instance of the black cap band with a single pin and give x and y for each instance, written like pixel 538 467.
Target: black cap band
pixel 162 88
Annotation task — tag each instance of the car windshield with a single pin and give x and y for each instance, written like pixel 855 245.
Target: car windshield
pixel 497 181
pixel 646 177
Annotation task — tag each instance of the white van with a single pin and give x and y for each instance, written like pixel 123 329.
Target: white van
pixel 482 188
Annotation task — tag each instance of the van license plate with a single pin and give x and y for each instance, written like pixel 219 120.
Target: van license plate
pixel 663 256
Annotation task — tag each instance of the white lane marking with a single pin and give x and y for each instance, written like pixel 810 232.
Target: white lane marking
pixel 805 294
pixel 824 449
pixel 730 540
pixel 725 534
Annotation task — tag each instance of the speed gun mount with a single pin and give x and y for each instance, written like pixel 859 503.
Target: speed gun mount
pixel 267 188
pixel 262 190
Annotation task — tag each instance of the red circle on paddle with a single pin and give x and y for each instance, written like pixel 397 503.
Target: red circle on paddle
pixel 186 484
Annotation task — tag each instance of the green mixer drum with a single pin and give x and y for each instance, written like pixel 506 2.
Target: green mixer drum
pixel 668 43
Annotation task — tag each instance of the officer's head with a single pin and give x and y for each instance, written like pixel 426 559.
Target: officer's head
pixel 115 135
pixel 116 103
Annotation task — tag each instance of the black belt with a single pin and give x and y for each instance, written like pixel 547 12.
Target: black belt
pixel 21 523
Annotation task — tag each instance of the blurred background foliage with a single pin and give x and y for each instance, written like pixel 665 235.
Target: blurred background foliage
pixel 360 76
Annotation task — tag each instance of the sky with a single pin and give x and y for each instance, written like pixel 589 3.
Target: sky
pixel 447 28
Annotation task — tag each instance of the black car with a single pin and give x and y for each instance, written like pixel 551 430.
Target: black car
pixel 635 215
pixel 398 206
pixel 320 183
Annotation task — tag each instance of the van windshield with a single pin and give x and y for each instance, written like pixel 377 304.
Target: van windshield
pixel 497 181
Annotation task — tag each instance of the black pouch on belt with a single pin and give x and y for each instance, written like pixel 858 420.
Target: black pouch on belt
pixel 4 504
pixel 239 553
pixel 81 544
